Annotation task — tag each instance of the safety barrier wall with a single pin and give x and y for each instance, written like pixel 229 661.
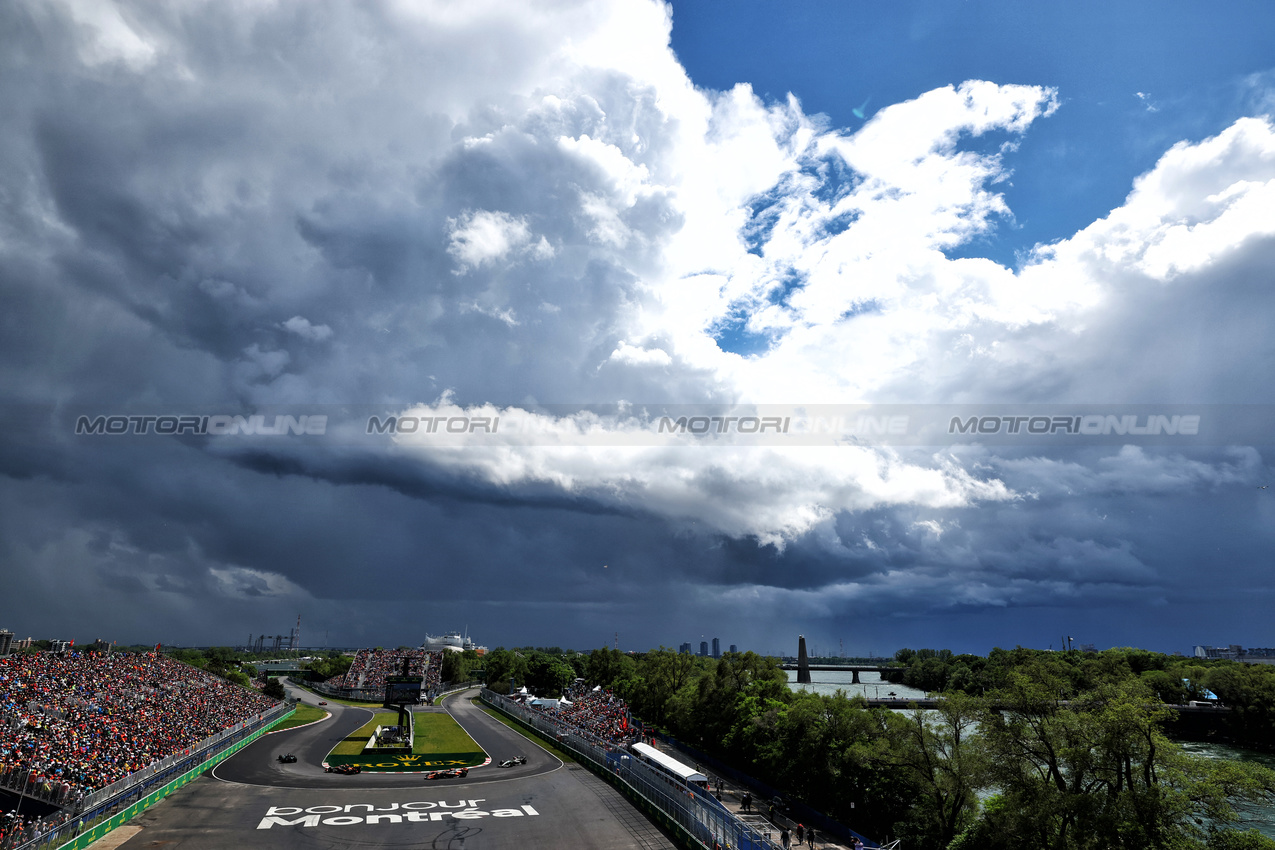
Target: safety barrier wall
pixel 358 694
pixel 111 805
pixel 204 746
pixel 794 811
pixel 696 815
pixel 372 694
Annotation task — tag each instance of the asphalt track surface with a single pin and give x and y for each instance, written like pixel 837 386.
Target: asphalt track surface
pixel 251 800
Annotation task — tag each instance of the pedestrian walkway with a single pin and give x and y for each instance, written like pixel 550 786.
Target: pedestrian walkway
pixel 756 809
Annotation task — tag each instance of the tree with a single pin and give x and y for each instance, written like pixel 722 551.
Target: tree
pixel 455 667
pixel 1168 688
pixel 333 665
pixel 548 674
pixel 273 688
pixel 1249 690
pixel 941 758
pixel 1094 770
pixel 606 667
pixel 661 674
pixel 502 665
pixel 1234 839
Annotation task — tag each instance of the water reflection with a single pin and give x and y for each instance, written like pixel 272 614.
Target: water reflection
pixel 1259 817
pixel 871 685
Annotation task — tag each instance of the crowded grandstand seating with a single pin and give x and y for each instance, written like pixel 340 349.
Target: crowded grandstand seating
pixel 73 723
pixel 599 716
pixel 372 666
pixel 17 829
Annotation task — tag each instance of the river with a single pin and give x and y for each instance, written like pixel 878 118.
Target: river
pixel 1260 817
pixel 830 681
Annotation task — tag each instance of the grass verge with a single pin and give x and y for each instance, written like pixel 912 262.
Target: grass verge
pixel 440 743
pixel 354 744
pixel 303 715
pixel 530 736
pixel 326 698
pixel 439 733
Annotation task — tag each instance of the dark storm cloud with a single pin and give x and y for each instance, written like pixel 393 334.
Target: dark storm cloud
pixel 205 209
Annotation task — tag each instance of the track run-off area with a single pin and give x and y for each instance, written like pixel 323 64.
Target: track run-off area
pixel 253 800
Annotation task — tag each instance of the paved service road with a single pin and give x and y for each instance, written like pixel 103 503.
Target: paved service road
pixel 253 801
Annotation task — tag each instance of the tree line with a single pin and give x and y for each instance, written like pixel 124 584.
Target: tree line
pixel 1032 750
pixel 1248 690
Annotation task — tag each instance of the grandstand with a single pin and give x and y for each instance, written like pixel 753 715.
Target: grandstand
pixel 597 715
pixel 74 723
pixel 367 675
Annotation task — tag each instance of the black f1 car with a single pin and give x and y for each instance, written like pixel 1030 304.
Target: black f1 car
pixel 344 769
pixel 514 761
pixel 448 774
pixel 287 758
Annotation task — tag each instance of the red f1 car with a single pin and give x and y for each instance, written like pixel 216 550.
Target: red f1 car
pixel 448 774
pixel 343 769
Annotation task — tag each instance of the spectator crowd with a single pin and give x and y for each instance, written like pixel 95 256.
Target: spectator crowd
pixel 371 667
pixel 598 715
pixel 72 723
pixel 17 829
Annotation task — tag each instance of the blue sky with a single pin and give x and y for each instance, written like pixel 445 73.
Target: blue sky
pixel 1133 79
pixel 587 219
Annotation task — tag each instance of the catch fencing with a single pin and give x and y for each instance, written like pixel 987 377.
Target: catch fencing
pixel 106 801
pixel 793 812
pixel 696 814
pixel 376 694
pixel 355 694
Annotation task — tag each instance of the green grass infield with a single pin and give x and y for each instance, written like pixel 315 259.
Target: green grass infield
pixel 440 744
pixel 303 715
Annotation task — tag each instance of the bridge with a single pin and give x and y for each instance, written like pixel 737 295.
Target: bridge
pixel 854 669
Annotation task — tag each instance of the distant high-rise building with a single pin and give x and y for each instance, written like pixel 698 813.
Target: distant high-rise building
pixel 734 648
pixel 6 641
pixel 686 648
pixel 703 648
pixel 717 647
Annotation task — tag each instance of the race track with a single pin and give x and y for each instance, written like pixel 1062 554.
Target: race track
pixel 251 800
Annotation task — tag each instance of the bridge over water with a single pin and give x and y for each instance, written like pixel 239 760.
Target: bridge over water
pixel 854 669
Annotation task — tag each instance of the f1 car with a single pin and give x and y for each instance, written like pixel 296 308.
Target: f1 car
pixel 514 761
pixel 287 758
pixel 448 774
pixel 344 769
